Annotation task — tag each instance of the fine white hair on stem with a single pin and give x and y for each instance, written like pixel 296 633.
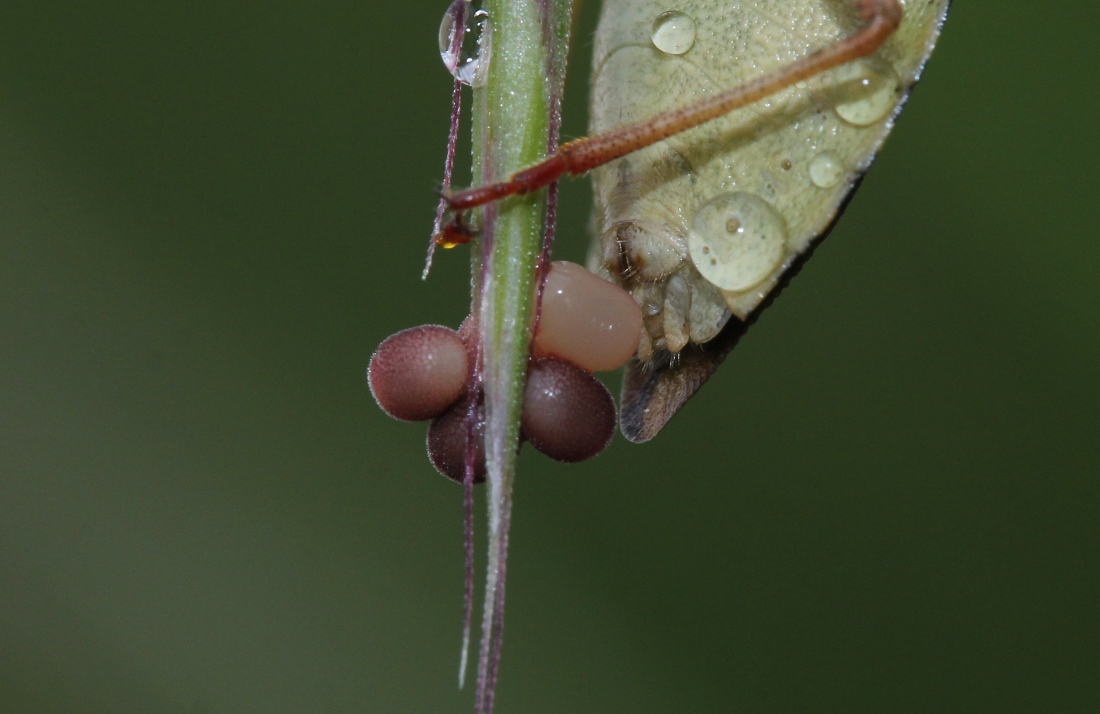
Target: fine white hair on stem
pixel 531 36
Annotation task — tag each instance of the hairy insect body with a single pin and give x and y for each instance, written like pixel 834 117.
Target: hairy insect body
pixel 702 227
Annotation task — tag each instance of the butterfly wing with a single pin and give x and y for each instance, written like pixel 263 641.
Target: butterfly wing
pixel 705 227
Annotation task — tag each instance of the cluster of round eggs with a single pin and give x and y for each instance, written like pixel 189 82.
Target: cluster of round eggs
pixel 586 325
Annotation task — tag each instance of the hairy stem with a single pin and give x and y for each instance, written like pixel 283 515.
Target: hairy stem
pixel 515 121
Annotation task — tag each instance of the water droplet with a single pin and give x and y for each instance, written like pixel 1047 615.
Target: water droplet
pixel 673 33
pixel 450 45
pixel 737 240
pixel 868 94
pixel 463 56
pixel 826 169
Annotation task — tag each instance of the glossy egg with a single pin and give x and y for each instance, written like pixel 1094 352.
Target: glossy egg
pixel 567 413
pixel 586 319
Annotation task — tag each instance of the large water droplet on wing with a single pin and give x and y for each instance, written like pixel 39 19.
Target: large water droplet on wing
pixel 673 33
pixel 737 240
pixel 869 93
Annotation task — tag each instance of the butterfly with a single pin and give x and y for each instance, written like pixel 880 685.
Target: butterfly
pixel 726 140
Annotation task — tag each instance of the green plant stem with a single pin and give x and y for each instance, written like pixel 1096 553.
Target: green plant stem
pixel 512 126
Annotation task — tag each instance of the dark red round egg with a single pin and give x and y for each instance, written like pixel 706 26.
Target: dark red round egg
pixel 447 439
pixel 419 372
pixel 568 414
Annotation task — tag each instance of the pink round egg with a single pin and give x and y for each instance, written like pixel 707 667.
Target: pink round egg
pixel 586 320
pixel 419 372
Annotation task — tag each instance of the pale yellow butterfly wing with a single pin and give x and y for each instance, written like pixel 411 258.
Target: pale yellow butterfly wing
pixel 701 228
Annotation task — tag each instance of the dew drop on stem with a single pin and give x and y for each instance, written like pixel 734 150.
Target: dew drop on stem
pixel 465 43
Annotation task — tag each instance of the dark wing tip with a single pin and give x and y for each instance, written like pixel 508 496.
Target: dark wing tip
pixel 653 392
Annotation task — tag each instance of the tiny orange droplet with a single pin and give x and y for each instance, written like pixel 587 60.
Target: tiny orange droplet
pixel 453 234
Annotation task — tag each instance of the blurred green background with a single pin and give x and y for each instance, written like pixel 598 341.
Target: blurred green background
pixel 210 215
